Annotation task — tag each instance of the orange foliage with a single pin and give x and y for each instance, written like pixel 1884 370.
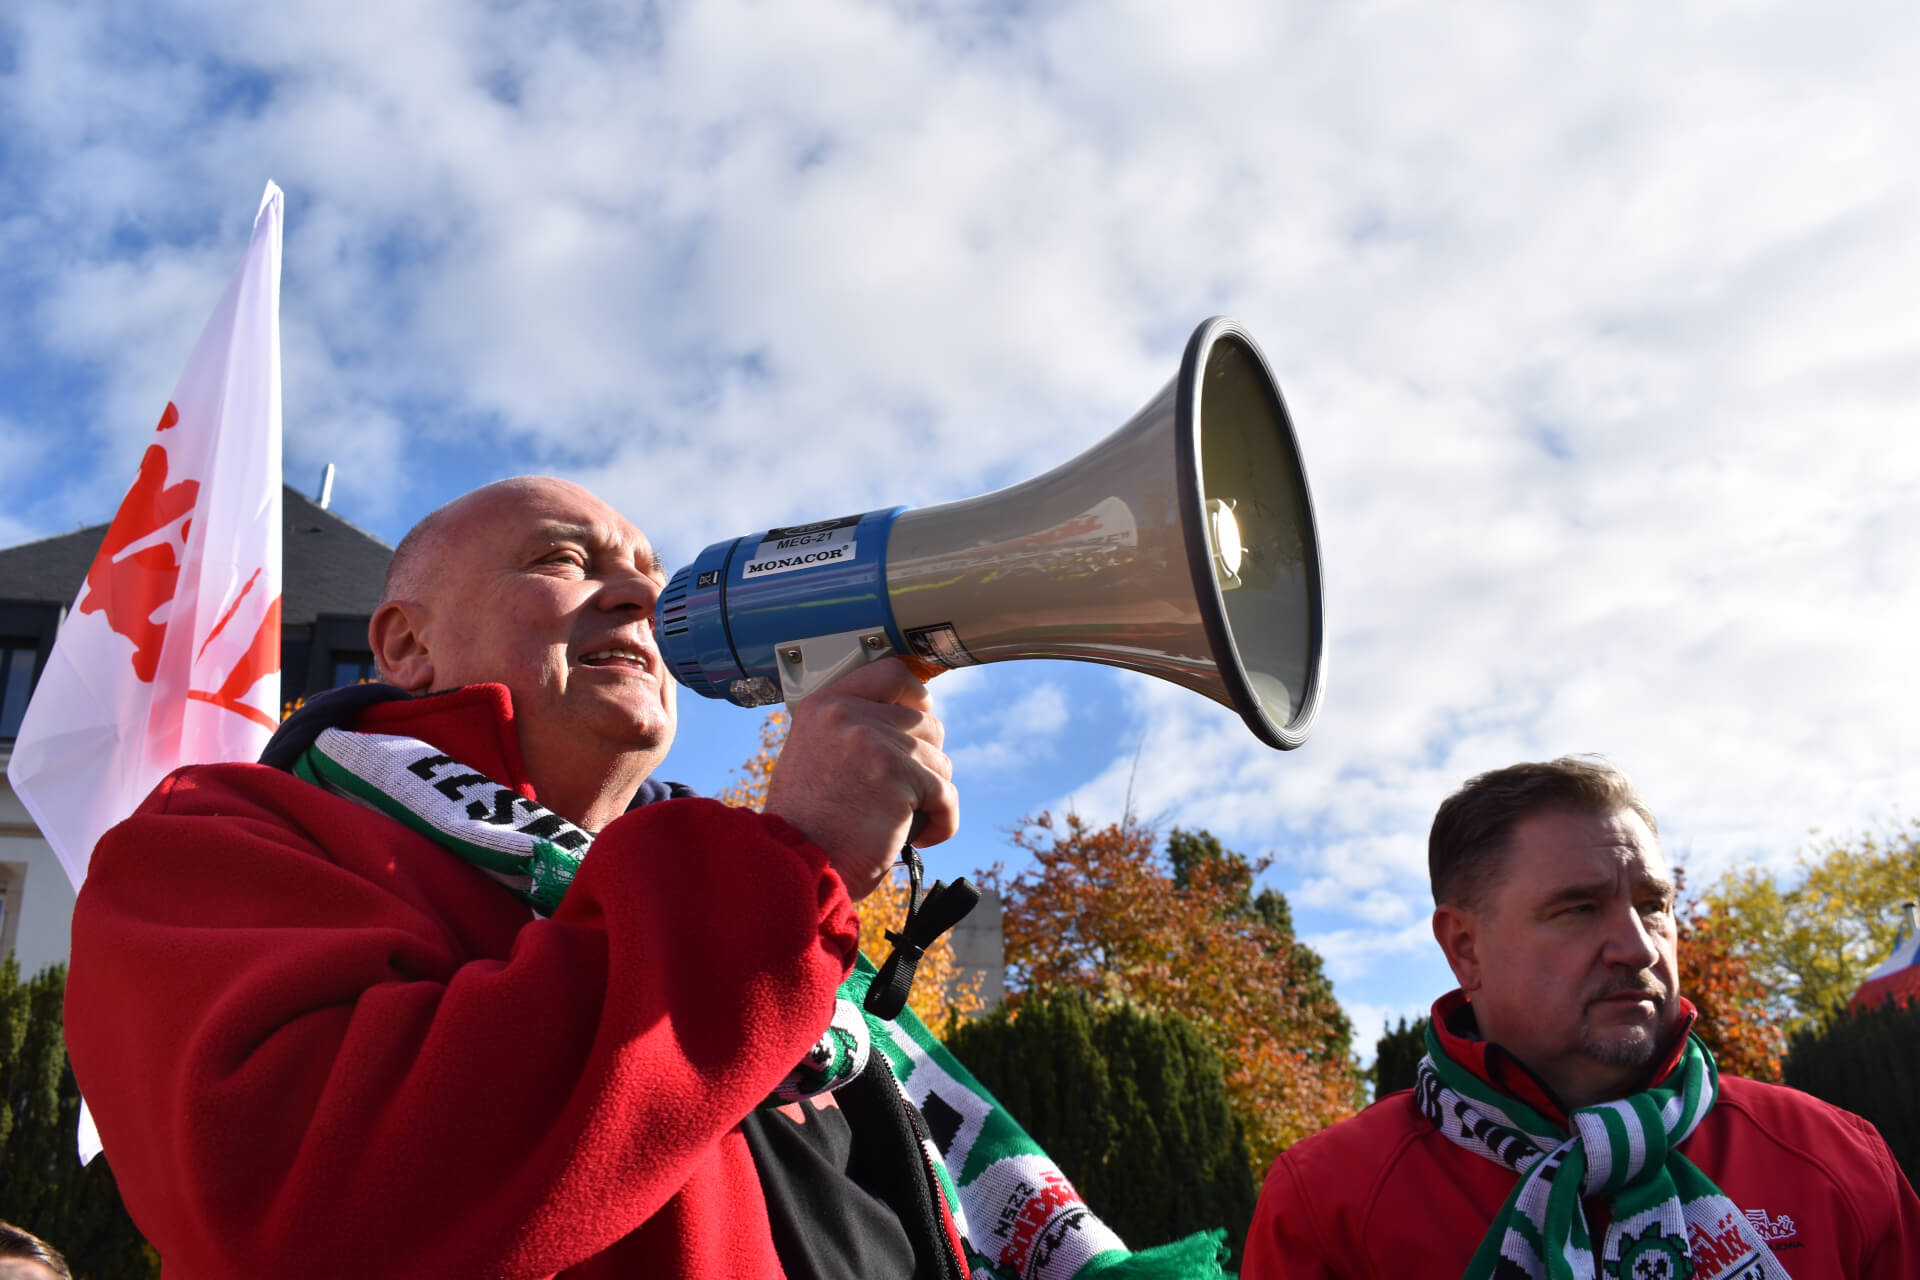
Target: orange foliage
pixel 1736 1018
pixel 940 993
pixel 1100 912
pixel 749 790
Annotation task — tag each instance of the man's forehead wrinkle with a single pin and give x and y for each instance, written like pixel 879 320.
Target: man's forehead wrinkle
pixel 1628 865
pixel 490 528
pixel 1583 889
pixel 600 532
pixel 546 531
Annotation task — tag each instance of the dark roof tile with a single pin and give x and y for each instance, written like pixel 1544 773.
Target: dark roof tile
pixel 330 564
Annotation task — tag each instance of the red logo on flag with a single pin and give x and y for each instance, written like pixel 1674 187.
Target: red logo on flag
pixel 262 658
pixel 133 577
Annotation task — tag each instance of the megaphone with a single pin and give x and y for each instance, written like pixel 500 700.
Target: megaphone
pixel 1182 545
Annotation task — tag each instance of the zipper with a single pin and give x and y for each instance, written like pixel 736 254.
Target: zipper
pixel 951 1266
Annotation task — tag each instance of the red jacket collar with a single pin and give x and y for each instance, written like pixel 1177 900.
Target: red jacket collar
pixel 473 724
pixel 1459 1033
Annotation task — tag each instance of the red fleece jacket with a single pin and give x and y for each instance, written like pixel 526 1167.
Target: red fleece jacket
pixel 1385 1194
pixel 319 1045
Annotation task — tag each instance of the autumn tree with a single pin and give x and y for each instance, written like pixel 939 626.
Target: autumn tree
pixel 1099 911
pixel 749 789
pixel 1811 941
pixel 1736 1019
pixel 1234 873
pixel 942 993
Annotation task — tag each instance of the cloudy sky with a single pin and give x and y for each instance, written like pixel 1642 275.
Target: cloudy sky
pixel 1598 323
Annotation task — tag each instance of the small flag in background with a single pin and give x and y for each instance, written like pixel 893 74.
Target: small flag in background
pixel 1898 976
pixel 171 654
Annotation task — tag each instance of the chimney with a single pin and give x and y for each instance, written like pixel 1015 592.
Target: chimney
pixel 326 487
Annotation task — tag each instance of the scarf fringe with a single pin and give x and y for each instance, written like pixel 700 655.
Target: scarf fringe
pixel 1197 1257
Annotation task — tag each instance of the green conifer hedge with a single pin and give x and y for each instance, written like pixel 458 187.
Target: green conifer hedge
pixel 1133 1106
pixel 43 1187
pixel 1869 1063
pixel 1396 1056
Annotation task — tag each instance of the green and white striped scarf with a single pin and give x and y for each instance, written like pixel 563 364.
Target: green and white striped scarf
pixel 1626 1152
pixel 1020 1217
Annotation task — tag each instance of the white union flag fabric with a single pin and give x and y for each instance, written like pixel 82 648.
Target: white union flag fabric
pixel 171 653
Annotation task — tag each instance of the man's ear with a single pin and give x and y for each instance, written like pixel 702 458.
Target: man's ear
pixel 1457 930
pixel 398 649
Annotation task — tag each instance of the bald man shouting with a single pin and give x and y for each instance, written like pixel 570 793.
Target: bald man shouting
pixel 450 985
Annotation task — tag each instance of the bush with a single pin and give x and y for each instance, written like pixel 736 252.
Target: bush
pixel 43 1187
pixel 1867 1061
pixel 1131 1104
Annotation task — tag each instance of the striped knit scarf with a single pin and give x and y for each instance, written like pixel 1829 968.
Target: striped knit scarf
pixel 1626 1152
pixel 1018 1215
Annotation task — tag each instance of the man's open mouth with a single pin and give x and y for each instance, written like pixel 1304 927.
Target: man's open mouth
pixel 630 658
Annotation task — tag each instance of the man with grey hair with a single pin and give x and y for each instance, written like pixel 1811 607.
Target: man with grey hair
pixel 451 985
pixel 1566 1122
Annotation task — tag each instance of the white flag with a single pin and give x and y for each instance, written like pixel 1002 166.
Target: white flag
pixel 171 654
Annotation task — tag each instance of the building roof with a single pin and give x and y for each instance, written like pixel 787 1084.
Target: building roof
pixel 329 565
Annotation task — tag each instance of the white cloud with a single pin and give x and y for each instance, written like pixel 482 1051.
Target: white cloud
pixel 1041 713
pixel 1022 732
pixel 20 452
pixel 1354 953
pixel 1371 1020
pixel 960 689
pixel 1598 330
